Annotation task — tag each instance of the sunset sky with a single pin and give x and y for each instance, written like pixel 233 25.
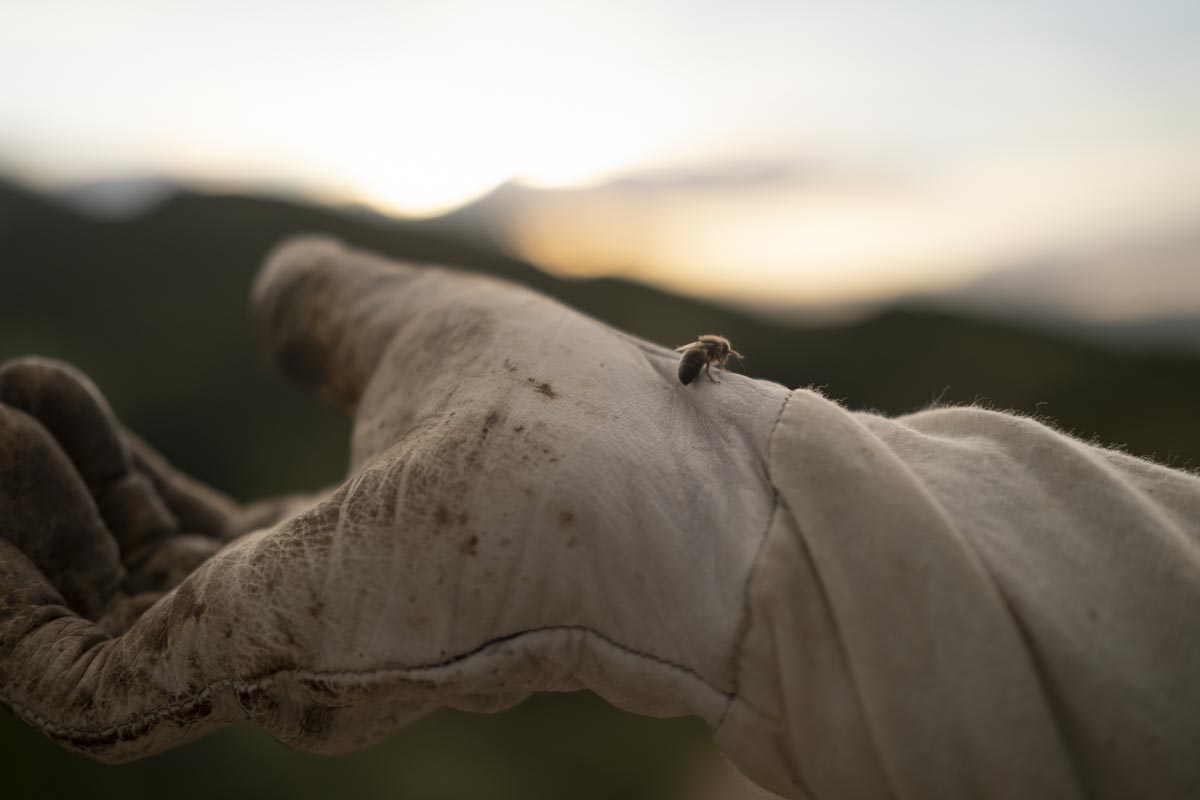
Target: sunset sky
pixel 763 149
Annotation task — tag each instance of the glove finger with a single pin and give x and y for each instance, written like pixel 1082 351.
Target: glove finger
pixel 326 315
pixel 132 481
pixel 196 507
pixel 67 404
pixel 50 516
pixel 329 314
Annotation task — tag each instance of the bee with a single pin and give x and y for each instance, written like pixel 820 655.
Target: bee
pixel 702 353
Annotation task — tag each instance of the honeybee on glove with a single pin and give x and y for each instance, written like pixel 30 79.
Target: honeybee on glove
pixel 701 354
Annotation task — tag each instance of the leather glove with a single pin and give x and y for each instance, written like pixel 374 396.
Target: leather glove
pixel 534 502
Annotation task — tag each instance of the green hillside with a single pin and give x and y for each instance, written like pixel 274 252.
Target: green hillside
pixel 155 310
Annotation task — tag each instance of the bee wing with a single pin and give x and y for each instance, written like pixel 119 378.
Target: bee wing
pixel 683 347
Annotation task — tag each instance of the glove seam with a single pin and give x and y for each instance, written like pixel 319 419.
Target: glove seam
pixel 743 627
pixel 184 711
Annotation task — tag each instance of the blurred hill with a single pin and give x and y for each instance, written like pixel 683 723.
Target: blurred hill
pixel 154 308
pixel 1140 293
pixel 1139 279
pixel 1141 290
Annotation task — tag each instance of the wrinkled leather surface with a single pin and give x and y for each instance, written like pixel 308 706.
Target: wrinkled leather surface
pixel 534 503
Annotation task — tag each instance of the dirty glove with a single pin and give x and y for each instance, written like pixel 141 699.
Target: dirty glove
pixel 534 502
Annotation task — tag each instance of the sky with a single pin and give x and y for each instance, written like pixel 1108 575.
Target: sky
pixel 758 149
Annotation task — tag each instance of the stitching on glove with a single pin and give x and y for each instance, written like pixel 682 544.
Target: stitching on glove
pixel 199 705
pixel 743 627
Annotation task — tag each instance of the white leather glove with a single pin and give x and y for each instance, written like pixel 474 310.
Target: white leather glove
pixel 534 502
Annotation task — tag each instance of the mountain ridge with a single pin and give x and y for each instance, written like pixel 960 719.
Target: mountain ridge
pixel 154 308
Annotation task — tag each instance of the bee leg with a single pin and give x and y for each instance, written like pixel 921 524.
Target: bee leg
pixel 708 372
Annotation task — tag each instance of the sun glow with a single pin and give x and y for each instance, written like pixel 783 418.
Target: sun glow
pixel 1051 126
pixel 853 240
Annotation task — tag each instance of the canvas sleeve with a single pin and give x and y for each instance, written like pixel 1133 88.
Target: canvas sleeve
pixel 965 603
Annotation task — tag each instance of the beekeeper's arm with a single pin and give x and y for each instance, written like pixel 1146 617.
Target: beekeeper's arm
pixel 954 604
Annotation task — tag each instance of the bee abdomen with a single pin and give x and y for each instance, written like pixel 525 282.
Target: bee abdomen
pixel 690 364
